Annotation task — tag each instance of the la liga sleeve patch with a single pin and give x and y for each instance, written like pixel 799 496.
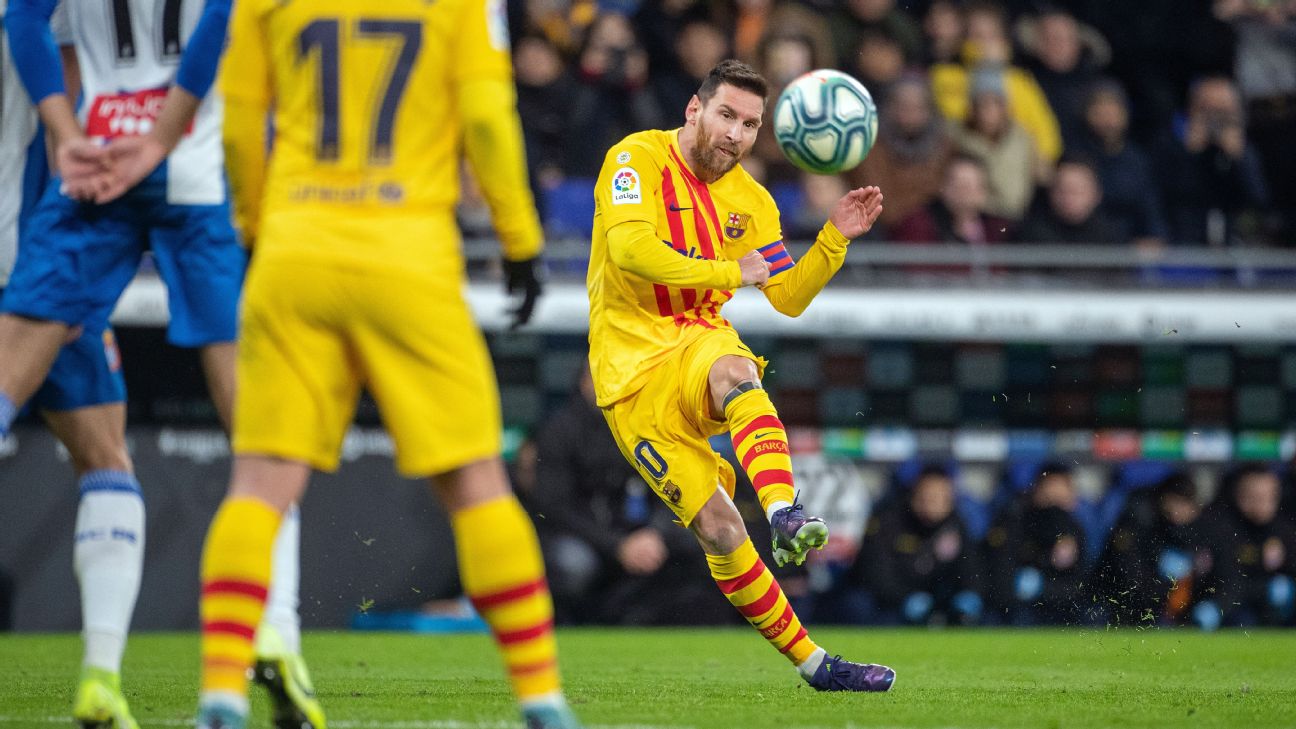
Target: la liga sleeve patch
pixel 626 187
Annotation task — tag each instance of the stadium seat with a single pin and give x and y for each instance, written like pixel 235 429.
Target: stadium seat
pixel 569 208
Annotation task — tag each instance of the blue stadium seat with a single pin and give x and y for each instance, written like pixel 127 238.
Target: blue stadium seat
pixel 569 208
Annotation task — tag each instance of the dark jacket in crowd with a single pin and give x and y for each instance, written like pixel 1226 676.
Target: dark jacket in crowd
pixel 902 556
pixel 1044 226
pixel 1248 556
pixel 1036 559
pixel 1153 571
pixel 1131 193
pixel 1205 192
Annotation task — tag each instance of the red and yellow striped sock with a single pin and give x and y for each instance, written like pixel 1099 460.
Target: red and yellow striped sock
pixel 761 444
pixel 503 574
pixel 752 589
pixel 235 578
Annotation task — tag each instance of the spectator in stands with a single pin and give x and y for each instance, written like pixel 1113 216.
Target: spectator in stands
pixel 878 63
pixel 544 92
pixel 988 44
pixel 755 21
pixel 563 22
pixel 699 47
pixel 958 215
pixel 1210 175
pixel 918 560
pixel 942 33
pixel 660 24
pixel 1073 213
pixel 991 135
pixel 909 157
pixel 783 57
pixel 1157 563
pixel 613 554
pixel 1035 551
pixel 1255 553
pixel 612 98
pixel 1131 194
pixel 1266 75
pixel 819 194
pixel 1065 58
pixel 856 18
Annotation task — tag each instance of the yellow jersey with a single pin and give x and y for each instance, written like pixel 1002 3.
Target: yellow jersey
pixel 638 319
pixel 373 106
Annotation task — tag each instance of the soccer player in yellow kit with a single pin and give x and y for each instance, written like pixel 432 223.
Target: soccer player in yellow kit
pixel 356 280
pixel 678 225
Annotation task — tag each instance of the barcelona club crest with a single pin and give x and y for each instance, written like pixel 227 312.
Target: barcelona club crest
pixel 736 225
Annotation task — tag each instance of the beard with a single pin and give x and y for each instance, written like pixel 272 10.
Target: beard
pixel 711 161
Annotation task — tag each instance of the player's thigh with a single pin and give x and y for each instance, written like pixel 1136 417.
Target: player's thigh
pixel 74 260
pixel 298 379
pixel 200 259
pixel 87 372
pixel 673 457
pixel 428 368
pixel 694 371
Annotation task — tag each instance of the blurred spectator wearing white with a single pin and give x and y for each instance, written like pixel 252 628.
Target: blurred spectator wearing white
pixel 990 134
pixel 1210 174
pixel 1073 212
pixel 1066 58
pixel 988 45
pixel 1266 76
pixel 909 157
pixel 958 214
pixel 1131 193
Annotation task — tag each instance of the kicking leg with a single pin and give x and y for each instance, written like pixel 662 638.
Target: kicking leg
pixel 761 445
pixel 750 587
pixel 503 574
pixel 108 555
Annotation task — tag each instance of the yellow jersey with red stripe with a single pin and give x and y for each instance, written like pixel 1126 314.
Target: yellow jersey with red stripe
pixel 637 322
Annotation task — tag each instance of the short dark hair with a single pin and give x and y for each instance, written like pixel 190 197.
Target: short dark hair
pixel 736 74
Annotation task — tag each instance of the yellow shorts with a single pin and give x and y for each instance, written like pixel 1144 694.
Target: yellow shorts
pixel 663 428
pixel 314 332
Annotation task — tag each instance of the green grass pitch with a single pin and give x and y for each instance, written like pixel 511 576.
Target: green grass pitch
pixel 725 678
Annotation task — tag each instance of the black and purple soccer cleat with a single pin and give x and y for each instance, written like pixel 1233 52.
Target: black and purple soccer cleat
pixel 795 534
pixel 836 674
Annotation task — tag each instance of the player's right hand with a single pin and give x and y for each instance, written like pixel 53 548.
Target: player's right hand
pixel 755 270
pixel 522 278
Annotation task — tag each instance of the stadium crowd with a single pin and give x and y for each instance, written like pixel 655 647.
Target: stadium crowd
pixel 1081 121
pixel 1158 547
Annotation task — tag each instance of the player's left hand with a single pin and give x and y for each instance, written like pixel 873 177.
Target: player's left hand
pixel 857 210
pixel 522 278
pixel 131 160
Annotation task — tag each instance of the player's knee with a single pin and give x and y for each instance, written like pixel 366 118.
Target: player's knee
pixel 729 372
pixel 720 530
pixel 101 455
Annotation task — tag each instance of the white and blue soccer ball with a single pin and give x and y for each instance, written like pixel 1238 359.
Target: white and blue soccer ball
pixel 825 122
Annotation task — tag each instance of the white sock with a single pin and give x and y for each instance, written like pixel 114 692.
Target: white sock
pixel 810 665
pixel 108 557
pixel 224 699
pixel 773 507
pixel 285 580
pixel 553 698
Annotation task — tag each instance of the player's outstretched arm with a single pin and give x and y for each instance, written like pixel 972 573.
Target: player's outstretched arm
pixel 792 290
pixel 134 158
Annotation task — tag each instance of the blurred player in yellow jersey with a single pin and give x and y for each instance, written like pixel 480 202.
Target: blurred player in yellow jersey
pixel 678 225
pixel 357 280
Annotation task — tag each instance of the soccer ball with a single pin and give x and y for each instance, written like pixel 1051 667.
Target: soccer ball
pixel 825 122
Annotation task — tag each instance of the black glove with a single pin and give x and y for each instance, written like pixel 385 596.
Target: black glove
pixel 522 277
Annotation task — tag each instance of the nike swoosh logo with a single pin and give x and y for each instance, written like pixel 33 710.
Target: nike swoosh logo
pixel 675 208
pixel 761 435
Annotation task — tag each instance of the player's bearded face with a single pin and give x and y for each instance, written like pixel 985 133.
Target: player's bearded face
pixel 726 130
